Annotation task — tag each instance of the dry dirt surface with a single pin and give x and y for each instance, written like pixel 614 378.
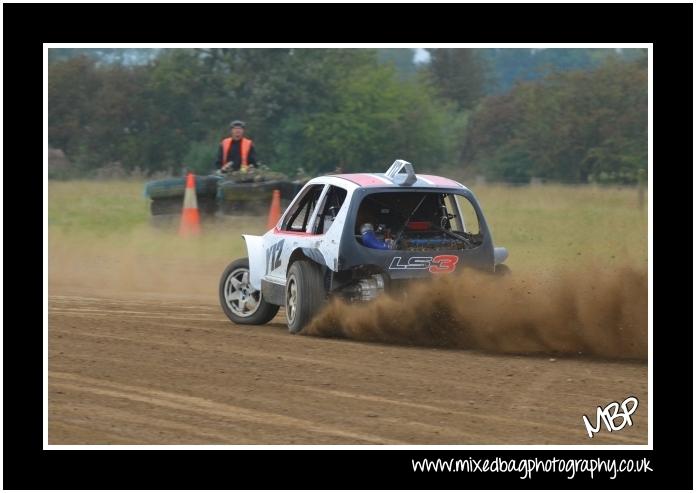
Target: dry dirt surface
pixel 127 369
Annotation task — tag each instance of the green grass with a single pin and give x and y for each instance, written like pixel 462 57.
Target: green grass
pixel 112 216
pixel 563 224
pixel 97 208
pixel 541 225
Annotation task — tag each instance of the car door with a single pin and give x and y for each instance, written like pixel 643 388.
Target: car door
pixel 295 231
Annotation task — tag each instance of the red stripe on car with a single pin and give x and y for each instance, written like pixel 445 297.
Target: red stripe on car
pixel 364 180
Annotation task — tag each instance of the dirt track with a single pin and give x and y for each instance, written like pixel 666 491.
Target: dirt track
pixel 158 370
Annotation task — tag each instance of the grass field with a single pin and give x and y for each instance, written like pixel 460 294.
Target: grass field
pixel 543 225
pixel 552 224
pixel 107 216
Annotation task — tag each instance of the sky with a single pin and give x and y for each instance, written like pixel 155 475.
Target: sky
pixel 420 55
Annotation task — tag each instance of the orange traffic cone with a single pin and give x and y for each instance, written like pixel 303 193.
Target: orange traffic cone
pixel 190 220
pixel 274 212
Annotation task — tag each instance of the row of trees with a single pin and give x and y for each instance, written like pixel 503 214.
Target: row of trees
pixel 317 109
pixel 575 126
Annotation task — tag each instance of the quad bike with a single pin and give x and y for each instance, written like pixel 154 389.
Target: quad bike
pixel 231 193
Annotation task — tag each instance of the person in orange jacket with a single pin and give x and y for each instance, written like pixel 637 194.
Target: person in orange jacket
pixel 236 152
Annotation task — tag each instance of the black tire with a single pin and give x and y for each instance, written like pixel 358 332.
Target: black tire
pixel 244 208
pixel 502 270
pixel 206 186
pixel 231 208
pixel 263 313
pixel 207 206
pixel 307 278
pixel 166 206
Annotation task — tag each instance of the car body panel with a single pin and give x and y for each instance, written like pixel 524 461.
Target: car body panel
pixel 255 251
pixel 354 254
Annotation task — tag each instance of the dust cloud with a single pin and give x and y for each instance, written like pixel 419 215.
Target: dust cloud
pixel 598 310
pixel 141 264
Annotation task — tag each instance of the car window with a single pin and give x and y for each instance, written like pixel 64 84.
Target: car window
pixel 469 217
pixel 417 221
pixel 332 205
pixel 302 210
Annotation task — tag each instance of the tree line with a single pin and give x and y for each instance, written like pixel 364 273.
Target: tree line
pixel 359 109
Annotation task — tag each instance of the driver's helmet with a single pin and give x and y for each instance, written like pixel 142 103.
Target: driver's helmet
pixel 366 227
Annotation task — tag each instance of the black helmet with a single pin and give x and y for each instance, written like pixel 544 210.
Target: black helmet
pixel 237 123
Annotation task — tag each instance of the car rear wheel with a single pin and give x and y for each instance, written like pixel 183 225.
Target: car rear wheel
pixel 239 300
pixel 304 294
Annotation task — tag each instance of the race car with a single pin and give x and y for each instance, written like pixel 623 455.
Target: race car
pixel 356 236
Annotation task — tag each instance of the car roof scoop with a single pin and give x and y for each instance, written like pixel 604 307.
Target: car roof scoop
pixel 395 169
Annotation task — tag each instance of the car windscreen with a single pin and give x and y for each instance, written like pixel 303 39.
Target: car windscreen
pixel 417 220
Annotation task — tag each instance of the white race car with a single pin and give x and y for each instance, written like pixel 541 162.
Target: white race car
pixel 356 236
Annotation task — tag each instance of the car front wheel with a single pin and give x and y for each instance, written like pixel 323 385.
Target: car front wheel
pixel 239 300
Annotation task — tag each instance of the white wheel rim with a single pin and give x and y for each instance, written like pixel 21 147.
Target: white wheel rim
pixel 241 298
pixel 291 303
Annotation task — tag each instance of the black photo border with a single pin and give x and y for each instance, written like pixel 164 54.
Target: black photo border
pixel 27 26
